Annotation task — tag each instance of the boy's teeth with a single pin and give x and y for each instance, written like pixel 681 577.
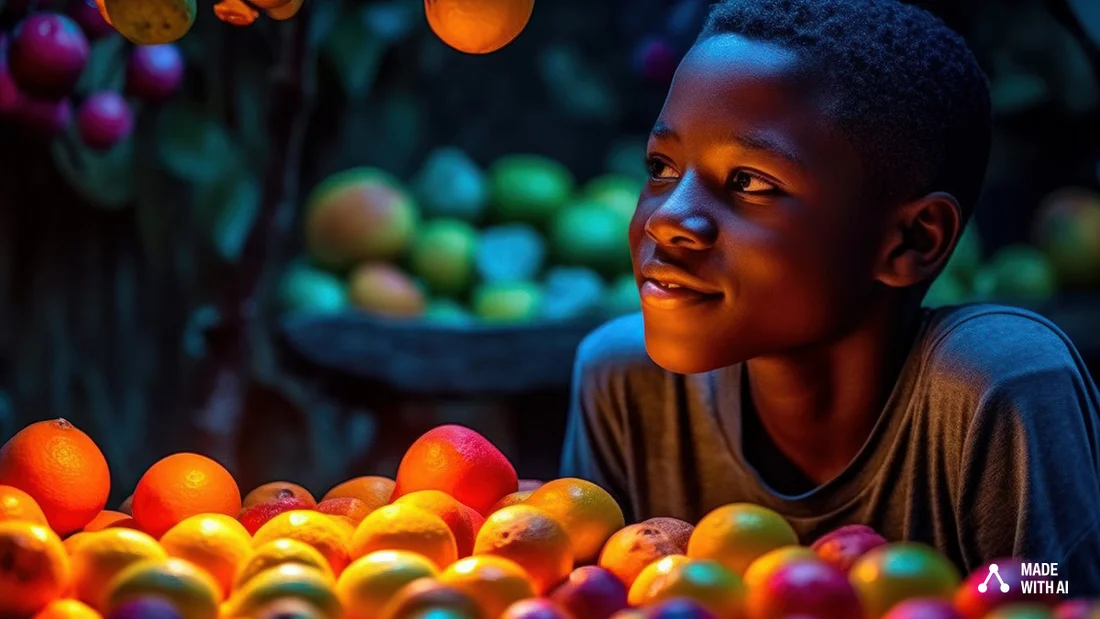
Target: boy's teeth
pixel 666 285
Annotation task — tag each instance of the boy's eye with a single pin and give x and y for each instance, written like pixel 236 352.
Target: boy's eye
pixel 747 182
pixel 659 170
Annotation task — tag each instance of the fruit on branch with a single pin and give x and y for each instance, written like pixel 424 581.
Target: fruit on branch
pixel 286 11
pixel 236 12
pixel 478 26
pixel 154 72
pixel 150 22
pixel 104 120
pixel 47 55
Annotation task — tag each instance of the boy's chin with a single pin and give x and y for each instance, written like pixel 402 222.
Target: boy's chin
pixel 681 356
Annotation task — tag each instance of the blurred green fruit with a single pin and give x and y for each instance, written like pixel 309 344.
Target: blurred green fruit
pixel 571 292
pixel 442 255
pixel 617 191
pixel 622 296
pixel 529 188
pixel 305 290
pixel 359 215
pixel 1017 273
pixel 451 185
pixel 510 253
pixel 151 22
pixel 967 257
pixel 447 312
pixel 947 290
pixel 1067 228
pixel 590 234
pixel 507 302
pixel 385 290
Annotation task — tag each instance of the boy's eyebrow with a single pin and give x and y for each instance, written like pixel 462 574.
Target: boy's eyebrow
pixel 749 141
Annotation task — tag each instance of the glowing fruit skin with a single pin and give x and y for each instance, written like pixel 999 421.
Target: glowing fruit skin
pixel 844 546
pixel 48 53
pixel 591 592
pixel 806 586
pixel 104 120
pixel 895 572
pixel 154 72
pixel 478 26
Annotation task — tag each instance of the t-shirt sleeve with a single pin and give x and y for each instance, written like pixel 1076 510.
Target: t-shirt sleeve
pixel 1030 471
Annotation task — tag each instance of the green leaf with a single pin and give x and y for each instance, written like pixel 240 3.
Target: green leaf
pixel 192 146
pixel 1088 15
pixel 355 53
pixel 105 179
pixel 230 206
pixel 106 69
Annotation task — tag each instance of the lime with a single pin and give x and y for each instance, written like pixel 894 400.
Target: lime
pixel 307 290
pixel 152 22
pixel 590 234
pixel 443 255
pixel 451 185
pixel 507 302
pixel 529 188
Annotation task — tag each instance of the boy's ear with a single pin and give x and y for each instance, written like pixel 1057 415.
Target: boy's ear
pixel 919 239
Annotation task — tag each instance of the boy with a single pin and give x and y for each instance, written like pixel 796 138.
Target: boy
pixel 810 173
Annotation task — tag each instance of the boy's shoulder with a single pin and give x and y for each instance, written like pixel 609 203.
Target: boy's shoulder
pixel 615 353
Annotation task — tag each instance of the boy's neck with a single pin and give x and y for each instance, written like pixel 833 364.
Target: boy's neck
pixel 819 406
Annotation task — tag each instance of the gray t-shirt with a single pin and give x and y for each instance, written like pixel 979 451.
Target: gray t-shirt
pixel 988 447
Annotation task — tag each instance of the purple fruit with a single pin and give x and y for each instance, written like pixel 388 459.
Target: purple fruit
pixel 679 609
pixel 656 60
pixel 154 71
pixel 535 609
pixel 48 53
pixel 146 608
pixel 591 592
pixel 44 117
pixel 10 96
pixel 86 13
pixel 104 120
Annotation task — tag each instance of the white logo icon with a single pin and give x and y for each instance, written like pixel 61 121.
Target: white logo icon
pixel 984 586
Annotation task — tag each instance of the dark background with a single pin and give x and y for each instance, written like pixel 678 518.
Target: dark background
pixel 121 278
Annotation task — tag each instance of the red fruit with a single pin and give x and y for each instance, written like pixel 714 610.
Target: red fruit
pixel 154 71
pixel 460 462
pixel 811 587
pixel 104 120
pixel 88 15
pixel 256 516
pixel 1078 609
pixel 44 118
pixel 974 600
pixel 842 547
pixel 48 53
pixel 534 609
pixel 10 95
pixel 591 593
pixel 680 609
pixel 924 608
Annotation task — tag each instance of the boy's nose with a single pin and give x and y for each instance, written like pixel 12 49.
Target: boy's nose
pixel 676 224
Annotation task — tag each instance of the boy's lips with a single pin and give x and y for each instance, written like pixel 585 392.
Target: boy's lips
pixel 667 287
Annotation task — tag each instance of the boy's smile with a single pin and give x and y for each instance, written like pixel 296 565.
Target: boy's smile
pixel 751 237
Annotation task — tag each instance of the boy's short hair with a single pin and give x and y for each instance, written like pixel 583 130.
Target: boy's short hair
pixel 902 86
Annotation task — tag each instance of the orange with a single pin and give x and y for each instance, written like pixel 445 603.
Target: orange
pixel 460 462
pixel 369 583
pixel 70 542
pixel 289 580
pixel 768 563
pixel 191 590
pixel 478 26
pixel 426 597
pixel 633 548
pixel 67 609
pixel 704 581
pixel 588 513
pixel 406 527
pixel 62 468
pixel 180 486
pixel 34 569
pixel 18 505
pixel 277 552
pixel 737 534
pixel 495 583
pixel 273 491
pixel 511 499
pixel 329 536
pixel 895 572
pixel 533 539
pixel 463 521
pixel 100 556
pixel 351 510
pixel 104 519
pixel 373 490
pixel 214 542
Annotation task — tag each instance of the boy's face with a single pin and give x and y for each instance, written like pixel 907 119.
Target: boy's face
pixel 753 208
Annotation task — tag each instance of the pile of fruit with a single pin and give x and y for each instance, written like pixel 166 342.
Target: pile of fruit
pixel 455 536
pixel 1064 256
pixel 517 242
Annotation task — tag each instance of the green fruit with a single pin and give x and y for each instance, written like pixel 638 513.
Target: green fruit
pixel 507 302
pixel 359 215
pixel 892 573
pixel 590 234
pixel 443 256
pixel 451 185
pixel 529 188
pixel 571 292
pixel 447 312
pixel 616 191
pixel 1067 228
pixel 306 290
pixel 947 290
pixel 967 257
pixel 622 296
pixel 1017 273
pixel 152 22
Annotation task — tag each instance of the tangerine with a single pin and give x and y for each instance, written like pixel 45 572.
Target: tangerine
pixel 215 542
pixel 104 519
pixel 62 468
pixel 369 583
pixel 633 548
pixel 98 557
pixel 406 527
pixel 274 491
pixel 533 539
pixel 330 536
pixel 373 490
pixel 589 514
pixel 463 521
pixel 67 609
pixel 735 535
pixel 180 486
pixel 495 583
pixel 512 499
pixel 277 552
pixel 18 505
pixel 34 569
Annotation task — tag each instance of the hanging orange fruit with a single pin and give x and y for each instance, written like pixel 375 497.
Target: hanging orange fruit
pixel 478 26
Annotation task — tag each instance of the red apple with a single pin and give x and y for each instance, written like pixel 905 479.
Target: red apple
pixel 591 592
pixel 982 591
pixel 256 516
pixel 842 547
pixel 805 586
